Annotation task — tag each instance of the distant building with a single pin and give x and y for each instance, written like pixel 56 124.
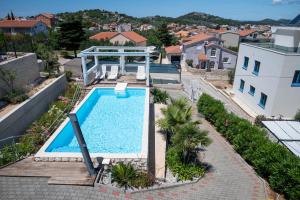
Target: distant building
pixel 124 27
pixel 146 27
pixel 207 52
pixel 121 38
pixel 267 77
pixel 30 27
pixel 173 54
pixel 47 18
pixel 230 38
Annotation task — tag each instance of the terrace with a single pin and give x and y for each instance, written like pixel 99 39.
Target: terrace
pixel 97 70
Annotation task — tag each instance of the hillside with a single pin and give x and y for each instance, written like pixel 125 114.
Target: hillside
pixel 90 17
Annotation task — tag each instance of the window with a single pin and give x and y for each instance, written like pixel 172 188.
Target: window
pixel 226 60
pixel 256 68
pixel 242 85
pixel 296 79
pixel 213 52
pixel 263 100
pixel 246 62
pixel 251 90
pixel 212 64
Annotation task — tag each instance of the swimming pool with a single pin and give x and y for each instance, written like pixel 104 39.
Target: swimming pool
pixel 113 125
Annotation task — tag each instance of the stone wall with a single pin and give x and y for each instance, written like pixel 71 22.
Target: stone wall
pixel 212 75
pixel 18 120
pixel 26 69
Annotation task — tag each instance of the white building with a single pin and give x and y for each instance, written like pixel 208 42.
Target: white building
pixel 267 77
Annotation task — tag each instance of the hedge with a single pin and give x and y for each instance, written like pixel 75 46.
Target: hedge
pixel 272 161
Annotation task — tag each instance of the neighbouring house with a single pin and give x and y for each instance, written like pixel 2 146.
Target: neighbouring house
pixel 47 18
pixel 121 38
pixel 230 38
pixel 30 27
pixel 182 34
pixel 207 52
pixel 146 27
pixel 26 69
pixel 173 54
pixel 250 35
pixel 124 27
pixel 267 77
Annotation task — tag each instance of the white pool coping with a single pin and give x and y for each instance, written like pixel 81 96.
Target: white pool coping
pixel 142 155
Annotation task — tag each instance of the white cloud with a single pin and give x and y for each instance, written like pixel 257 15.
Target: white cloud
pixel 286 1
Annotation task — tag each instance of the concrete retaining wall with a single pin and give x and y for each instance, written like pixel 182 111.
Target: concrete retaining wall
pixel 26 69
pixel 18 120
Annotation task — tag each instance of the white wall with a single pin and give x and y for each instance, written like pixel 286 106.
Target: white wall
pixel 274 80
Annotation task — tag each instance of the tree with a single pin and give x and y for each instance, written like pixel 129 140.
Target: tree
pixel 8 17
pixel 8 77
pixel 50 58
pixel 186 138
pixel 163 35
pixel 12 15
pixel 71 34
pixel 15 39
pixel 176 114
pixel 3 41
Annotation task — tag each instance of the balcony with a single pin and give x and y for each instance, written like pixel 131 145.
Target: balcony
pixel 281 49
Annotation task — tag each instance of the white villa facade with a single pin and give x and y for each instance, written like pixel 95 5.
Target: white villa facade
pixel 267 77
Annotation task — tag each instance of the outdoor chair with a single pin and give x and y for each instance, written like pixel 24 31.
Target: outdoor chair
pixel 113 72
pixel 141 74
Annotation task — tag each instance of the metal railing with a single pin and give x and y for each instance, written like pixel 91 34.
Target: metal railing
pixel 50 129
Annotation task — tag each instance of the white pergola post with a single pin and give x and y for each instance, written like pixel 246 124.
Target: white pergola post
pixel 122 62
pixel 148 70
pixel 84 72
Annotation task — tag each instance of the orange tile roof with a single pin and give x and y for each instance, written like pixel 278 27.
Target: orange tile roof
pixel 246 32
pixel 18 23
pixel 202 57
pixel 103 35
pixel 198 38
pixel 133 36
pixel 173 50
pixel 48 15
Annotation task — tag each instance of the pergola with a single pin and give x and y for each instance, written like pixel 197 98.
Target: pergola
pixel 119 51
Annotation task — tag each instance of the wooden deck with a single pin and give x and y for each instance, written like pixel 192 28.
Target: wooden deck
pixel 61 173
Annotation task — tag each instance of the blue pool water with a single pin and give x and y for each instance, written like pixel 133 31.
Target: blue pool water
pixel 110 123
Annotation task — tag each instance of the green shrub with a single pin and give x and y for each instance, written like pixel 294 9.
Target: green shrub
pixel 258 120
pixel 68 75
pixel 126 176
pixel 189 62
pixel 182 170
pixel 17 96
pixel 270 160
pixel 297 116
pixel 123 175
pixel 160 96
pixel 65 54
pixel 142 180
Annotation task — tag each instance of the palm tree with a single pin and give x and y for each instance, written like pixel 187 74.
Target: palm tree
pixel 124 175
pixel 186 138
pixel 176 114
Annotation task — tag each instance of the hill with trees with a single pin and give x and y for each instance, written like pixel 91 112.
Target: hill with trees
pixel 98 16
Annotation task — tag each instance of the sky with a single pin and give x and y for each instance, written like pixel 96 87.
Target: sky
pixel 233 9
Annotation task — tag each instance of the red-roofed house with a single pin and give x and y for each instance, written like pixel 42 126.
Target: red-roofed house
pixel 173 54
pixel 47 18
pixel 121 38
pixel 31 27
pixel 249 35
pixel 207 52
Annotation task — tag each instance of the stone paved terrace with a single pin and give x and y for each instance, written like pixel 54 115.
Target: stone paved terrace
pixel 230 178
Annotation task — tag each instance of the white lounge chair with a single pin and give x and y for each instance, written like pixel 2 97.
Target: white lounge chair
pixel 141 74
pixel 103 72
pixel 114 70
